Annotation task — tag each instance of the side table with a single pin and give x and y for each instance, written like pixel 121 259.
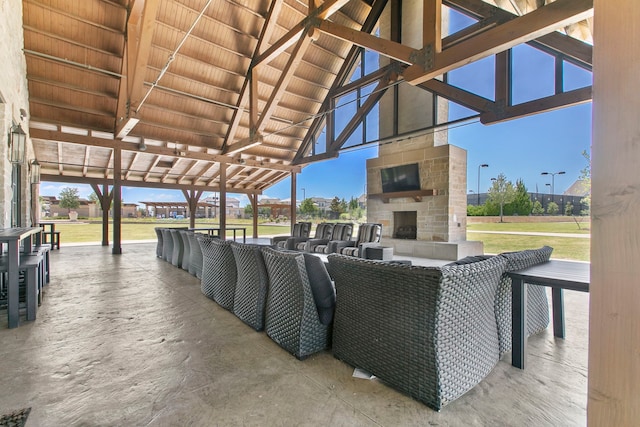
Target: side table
pixel 382 253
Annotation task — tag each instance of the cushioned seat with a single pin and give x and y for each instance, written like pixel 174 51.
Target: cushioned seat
pixel 341 231
pixel 368 236
pixel 251 286
pixel 300 229
pixel 429 332
pixel 294 318
pixel 219 274
pixel 323 231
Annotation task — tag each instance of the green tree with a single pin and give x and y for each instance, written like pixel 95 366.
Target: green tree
pixel 501 193
pixel 307 207
pixel 585 177
pixel 552 208
pixel 537 208
pixel 93 198
pixel 353 204
pixel 568 209
pixel 521 204
pixel 337 206
pixel 69 198
pixel 248 210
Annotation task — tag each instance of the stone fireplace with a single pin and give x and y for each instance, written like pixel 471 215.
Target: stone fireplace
pixel 429 222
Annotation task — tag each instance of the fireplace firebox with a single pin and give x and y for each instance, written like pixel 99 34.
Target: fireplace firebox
pixel 405 225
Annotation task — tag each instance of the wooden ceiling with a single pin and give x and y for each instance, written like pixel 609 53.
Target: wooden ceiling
pixel 185 87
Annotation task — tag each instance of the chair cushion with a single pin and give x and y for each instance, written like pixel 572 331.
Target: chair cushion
pixel 324 294
pixel 342 232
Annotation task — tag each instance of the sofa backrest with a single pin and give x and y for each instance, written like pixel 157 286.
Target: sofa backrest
pixel 369 233
pixel 301 229
pixel 526 258
pixel 324 230
pixel 342 231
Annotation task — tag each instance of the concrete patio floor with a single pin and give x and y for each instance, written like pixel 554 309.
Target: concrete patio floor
pixel 131 340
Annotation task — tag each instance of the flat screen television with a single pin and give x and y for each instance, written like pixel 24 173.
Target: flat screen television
pixel 400 178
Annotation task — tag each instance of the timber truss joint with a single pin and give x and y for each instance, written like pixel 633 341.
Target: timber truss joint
pixel 424 57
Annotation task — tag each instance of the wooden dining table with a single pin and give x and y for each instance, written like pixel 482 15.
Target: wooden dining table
pixel 12 238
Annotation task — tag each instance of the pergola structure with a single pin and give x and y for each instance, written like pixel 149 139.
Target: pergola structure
pixel 232 96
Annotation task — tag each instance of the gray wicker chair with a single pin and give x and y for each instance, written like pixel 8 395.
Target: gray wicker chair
pixel 167 245
pixel 537 303
pixel 178 247
pixel 159 244
pixel 251 287
pixel 428 332
pixel 186 249
pixel 219 274
pixel 341 231
pixel 292 318
pixel 195 259
pixel 368 236
pixel 323 231
pixel 300 229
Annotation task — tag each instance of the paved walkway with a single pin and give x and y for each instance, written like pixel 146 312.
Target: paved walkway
pixel 534 233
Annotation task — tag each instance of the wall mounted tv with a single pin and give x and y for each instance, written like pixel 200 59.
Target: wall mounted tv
pixel 400 178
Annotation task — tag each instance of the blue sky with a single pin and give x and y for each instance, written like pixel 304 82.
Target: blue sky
pixel 520 149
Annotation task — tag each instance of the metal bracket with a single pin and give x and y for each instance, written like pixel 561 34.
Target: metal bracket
pixel 424 57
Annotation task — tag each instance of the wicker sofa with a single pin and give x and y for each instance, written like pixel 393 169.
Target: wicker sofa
pixel 428 332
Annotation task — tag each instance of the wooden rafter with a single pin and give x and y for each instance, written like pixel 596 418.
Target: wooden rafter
pixel 130 167
pixel 187 171
pixel 60 167
pixel 541 21
pixel 345 71
pixel 153 165
pixel 140 25
pixel 572 49
pixel 85 164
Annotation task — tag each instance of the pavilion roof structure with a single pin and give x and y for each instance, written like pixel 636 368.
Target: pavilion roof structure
pixel 183 88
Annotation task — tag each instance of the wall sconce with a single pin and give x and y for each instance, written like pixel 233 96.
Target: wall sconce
pixel 17 144
pixel 35 171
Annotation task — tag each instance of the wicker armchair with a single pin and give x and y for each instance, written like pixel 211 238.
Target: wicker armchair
pixel 251 287
pixel 300 229
pixel 195 259
pixel 167 245
pixel 219 274
pixel 368 236
pixel 160 243
pixel 186 249
pixel 341 231
pixel 292 314
pixel 537 303
pixel 323 231
pixel 428 332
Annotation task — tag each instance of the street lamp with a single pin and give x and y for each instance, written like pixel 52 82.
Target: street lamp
pixel 304 194
pixel 484 165
pixel 553 175
pixel 550 188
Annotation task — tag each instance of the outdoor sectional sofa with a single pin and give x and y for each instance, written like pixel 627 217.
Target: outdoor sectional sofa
pixel 429 332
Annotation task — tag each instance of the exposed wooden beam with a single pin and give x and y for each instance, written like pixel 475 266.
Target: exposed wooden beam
pixel 162 151
pixel 153 165
pixel 60 167
pixel 457 95
pixel 575 51
pixel 85 164
pixel 328 8
pixel 362 112
pixel 387 48
pixel 187 172
pixel 130 168
pixel 316 158
pixel 131 183
pixel 549 103
pixel 432 25
pixel 517 31
pixel 108 166
pixel 140 25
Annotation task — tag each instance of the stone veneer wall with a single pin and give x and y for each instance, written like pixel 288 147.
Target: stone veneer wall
pixel 440 218
pixel 13 96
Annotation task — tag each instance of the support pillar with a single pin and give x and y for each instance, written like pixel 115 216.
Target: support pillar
pixel 192 197
pixel 294 184
pixel 104 197
pixel 223 201
pixel 117 201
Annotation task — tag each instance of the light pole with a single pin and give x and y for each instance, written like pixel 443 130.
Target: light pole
pixel 304 194
pixel 553 175
pixel 484 165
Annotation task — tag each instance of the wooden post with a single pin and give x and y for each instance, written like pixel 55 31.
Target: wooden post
pixel 192 197
pixel 614 312
pixel 293 199
pixel 117 201
pixel 253 198
pixel 223 201
pixel 104 197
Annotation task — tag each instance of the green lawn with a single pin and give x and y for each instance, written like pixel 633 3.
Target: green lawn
pixel 143 230
pixel 563 247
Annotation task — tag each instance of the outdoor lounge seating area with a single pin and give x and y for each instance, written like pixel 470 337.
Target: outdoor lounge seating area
pixel 148 335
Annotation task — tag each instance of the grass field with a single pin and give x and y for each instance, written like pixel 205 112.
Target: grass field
pixel 571 248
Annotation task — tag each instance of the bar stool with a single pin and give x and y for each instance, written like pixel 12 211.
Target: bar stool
pixel 30 267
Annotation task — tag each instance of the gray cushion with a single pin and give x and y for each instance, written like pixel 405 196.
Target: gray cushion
pixel 324 294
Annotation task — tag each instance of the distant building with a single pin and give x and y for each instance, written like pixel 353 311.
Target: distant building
pixel 87 209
